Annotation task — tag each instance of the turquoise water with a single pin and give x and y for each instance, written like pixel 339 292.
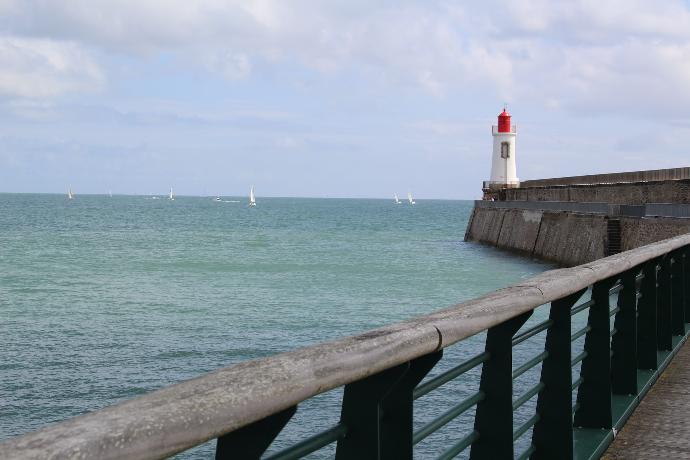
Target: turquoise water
pixel 103 299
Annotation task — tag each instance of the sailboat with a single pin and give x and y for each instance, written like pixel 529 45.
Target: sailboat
pixel 397 201
pixel 171 196
pixel 217 198
pixel 252 198
pixel 409 198
pixel 110 193
pixel 70 195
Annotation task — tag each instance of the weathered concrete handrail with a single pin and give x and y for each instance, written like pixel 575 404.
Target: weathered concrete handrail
pixel 181 416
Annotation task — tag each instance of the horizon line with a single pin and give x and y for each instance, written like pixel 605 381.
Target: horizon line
pixel 235 196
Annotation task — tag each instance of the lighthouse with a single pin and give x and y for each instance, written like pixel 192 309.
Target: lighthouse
pixel 503 170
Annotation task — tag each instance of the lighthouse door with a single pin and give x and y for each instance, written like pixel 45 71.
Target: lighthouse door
pixel 505 149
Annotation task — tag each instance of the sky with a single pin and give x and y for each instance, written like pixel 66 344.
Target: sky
pixel 335 98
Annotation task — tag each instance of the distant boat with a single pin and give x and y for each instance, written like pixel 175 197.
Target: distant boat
pixel 409 198
pixel 70 195
pixel 171 196
pixel 110 193
pixel 397 201
pixel 217 198
pixel 252 198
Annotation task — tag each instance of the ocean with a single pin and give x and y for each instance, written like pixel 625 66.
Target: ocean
pixel 104 299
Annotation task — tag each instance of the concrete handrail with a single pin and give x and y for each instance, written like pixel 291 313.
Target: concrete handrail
pixel 181 416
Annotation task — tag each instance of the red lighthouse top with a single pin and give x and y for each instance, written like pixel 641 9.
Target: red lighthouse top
pixel 504 121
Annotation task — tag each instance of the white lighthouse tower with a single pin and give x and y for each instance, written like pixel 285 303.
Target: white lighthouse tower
pixel 503 170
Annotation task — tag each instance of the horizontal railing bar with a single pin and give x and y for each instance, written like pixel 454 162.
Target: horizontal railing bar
pixel 531 332
pixel 614 311
pixel 616 289
pixel 639 277
pixel 526 454
pixel 227 399
pixel 526 426
pixel 311 444
pixel 450 374
pixel 530 364
pixel 528 395
pixel 577 383
pixel 446 417
pixel 458 447
pixel 578 358
pixel 580 333
pixel 583 306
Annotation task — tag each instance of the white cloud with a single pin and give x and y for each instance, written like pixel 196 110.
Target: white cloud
pixel 580 55
pixel 232 66
pixel 38 68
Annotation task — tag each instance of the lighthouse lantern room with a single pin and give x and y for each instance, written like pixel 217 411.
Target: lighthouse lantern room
pixel 503 170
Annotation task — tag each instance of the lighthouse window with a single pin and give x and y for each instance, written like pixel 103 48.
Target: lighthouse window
pixel 505 149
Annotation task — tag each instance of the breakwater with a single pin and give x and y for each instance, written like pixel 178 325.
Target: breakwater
pixel 574 223
pixel 570 233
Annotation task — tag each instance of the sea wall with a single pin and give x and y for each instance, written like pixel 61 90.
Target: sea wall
pixel 671 191
pixel 571 239
pixel 565 238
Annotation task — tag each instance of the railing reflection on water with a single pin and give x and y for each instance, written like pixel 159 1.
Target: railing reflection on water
pixel 584 381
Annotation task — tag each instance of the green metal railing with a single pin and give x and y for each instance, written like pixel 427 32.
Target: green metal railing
pixel 637 307
pixel 612 377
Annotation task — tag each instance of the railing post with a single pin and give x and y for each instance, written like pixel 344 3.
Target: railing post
pixel 251 441
pixel 552 436
pixel 377 412
pixel 646 322
pixel 677 307
pixel 624 342
pixel 664 303
pixel 397 410
pixel 594 394
pixel 686 282
pixel 494 417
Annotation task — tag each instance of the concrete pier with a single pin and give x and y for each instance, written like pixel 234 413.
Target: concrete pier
pixel 575 223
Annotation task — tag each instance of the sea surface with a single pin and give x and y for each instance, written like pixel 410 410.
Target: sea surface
pixel 104 299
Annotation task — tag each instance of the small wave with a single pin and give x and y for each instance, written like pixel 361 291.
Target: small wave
pixel 178 354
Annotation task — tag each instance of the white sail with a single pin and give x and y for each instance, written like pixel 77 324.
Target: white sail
pixel 409 198
pixel 172 197
pixel 252 198
pixel 70 195
pixel 397 200
pixel 110 193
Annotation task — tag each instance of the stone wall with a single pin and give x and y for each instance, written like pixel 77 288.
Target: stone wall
pixel 636 232
pixel 571 239
pixel 565 238
pixel 652 175
pixel 485 227
pixel 675 191
pixel 523 241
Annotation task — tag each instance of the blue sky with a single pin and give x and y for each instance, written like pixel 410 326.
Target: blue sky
pixel 334 99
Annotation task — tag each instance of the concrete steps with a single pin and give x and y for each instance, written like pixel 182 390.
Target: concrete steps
pixel 613 233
